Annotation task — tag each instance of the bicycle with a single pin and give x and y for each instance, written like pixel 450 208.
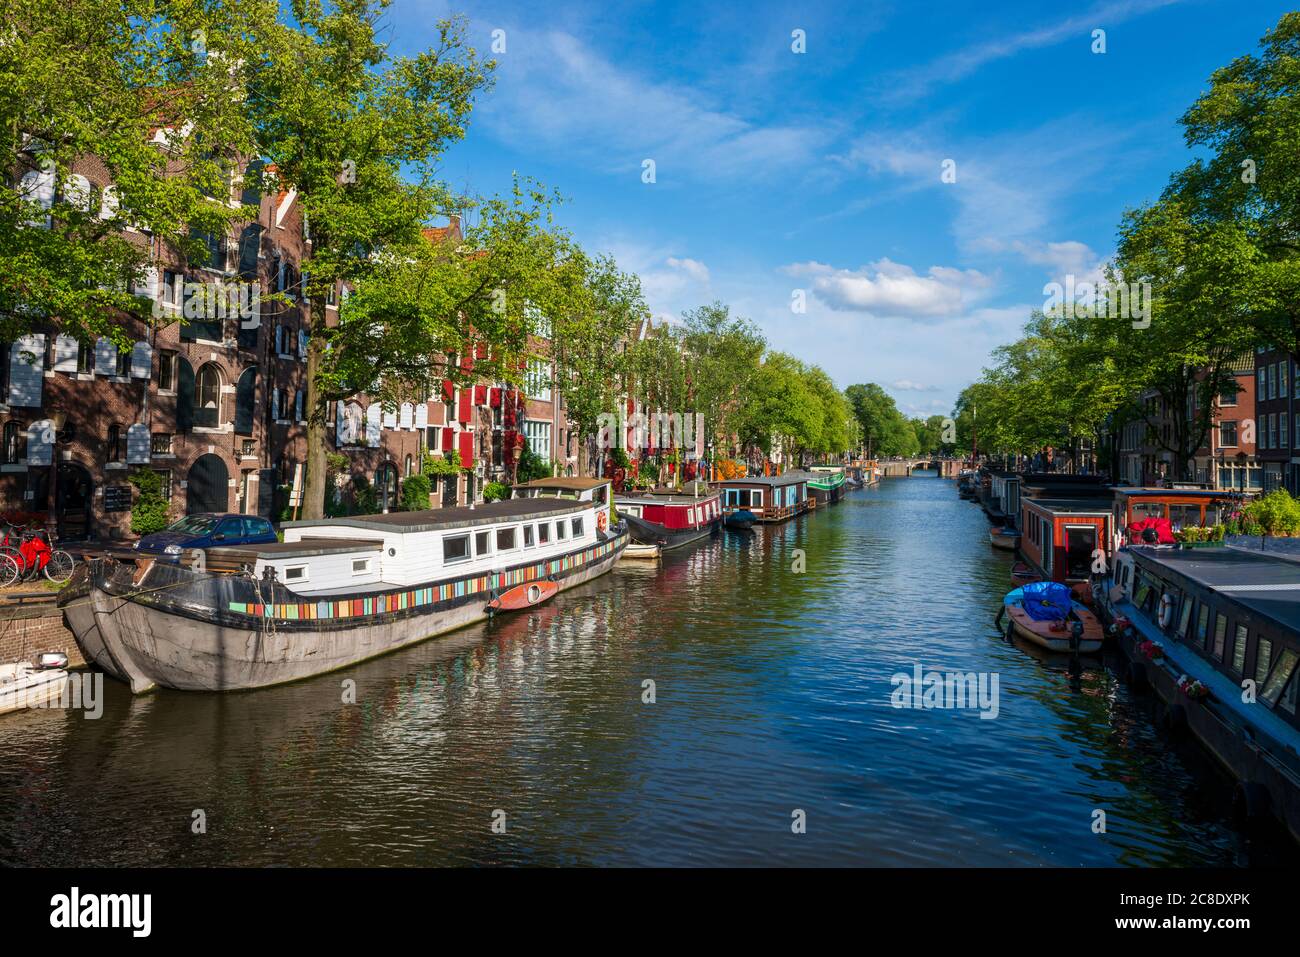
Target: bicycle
pixel 32 555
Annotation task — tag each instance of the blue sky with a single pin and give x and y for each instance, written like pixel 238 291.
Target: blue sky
pixel 822 171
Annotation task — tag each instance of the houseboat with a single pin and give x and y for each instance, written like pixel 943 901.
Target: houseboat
pixel 1216 633
pixel 669 520
pixel 1063 521
pixel 827 484
pixel 769 498
pixel 334 592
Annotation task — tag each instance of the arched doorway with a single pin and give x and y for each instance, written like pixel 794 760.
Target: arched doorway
pixel 386 487
pixel 207 486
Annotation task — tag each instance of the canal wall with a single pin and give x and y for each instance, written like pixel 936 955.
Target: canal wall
pixel 26 630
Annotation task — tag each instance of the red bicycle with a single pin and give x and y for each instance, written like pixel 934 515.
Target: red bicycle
pixel 26 552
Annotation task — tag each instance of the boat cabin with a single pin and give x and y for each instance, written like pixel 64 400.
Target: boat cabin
pixel 1182 507
pixel 597 491
pixel 1238 610
pixel 1059 535
pixel 772 498
pixel 1004 497
pixel 674 512
pixel 375 552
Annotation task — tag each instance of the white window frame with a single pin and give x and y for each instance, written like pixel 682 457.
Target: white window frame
pixel 469 549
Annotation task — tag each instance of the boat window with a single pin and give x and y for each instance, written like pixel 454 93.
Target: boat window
pixel 505 539
pixel 1202 624
pixel 600 494
pixel 1185 620
pixel 295 573
pixel 482 544
pixel 528 536
pixel 1263 659
pixel 559 529
pixel 1143 593
pixel 360 566
pixel 455 548
pixel 690 516
pixel 1279 676
pixel 544 533
pixel 1143 510
pixel 1239 650
pixel 1220 630
pixel 758 498
pixel 1180 515
pixel 1288 697
pixel 577 527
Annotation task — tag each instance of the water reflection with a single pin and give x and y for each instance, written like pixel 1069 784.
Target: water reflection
pixel 771 694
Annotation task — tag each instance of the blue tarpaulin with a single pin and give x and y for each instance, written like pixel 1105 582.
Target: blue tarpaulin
pixel 1047 601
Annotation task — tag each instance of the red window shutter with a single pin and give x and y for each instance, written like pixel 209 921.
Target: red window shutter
pixel 448 440
pixel 466 406
pixel 494 398
pixel 467 448
pixel 480 395
pixel 481 351
pixel 467 363
pixel 448 390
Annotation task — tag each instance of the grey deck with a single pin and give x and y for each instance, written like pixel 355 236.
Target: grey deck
pixel 516 509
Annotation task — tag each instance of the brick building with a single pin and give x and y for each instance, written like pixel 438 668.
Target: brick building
pixel 211 397
pixel 1277 418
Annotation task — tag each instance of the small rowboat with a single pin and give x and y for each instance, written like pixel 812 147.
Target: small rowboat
pixel 1007 539
pixel 1076 630
pixel 1022 574
pixel 741 520
pixel 23 685
pixel 524 596
pixel 635 550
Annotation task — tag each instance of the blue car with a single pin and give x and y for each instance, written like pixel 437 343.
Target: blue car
pixel 206 530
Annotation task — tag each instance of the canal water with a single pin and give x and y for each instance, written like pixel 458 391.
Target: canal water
pixel 771 715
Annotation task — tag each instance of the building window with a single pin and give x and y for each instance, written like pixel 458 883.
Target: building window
pixel 15 443
pixel 114 450
pixel 1272 431
pixel 160 443
pixel 248 449
pixel 1261 386
pixel 1284 441
pixel 166 371
pixel 165 476
pixel 85 358
pixel 537 380
pixel 1228 397
pixel 1281 379
pixel 539 438
pixel 207 394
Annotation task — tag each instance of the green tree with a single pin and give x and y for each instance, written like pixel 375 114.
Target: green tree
pixel 155 92
pixel 357 132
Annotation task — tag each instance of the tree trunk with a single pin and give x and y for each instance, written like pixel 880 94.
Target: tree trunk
pixel 313 493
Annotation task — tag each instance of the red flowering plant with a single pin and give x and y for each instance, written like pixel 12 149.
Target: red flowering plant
pixel 1193 688
pixel 1151 651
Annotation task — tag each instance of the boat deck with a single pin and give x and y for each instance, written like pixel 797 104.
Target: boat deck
pixel 1263 584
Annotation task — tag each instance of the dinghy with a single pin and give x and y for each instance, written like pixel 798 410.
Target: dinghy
pixel 1047 614
pixel 27 685
pixel 1007 539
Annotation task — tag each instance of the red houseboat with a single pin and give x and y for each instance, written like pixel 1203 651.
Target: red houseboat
pixel 670 520
pixel 1064 519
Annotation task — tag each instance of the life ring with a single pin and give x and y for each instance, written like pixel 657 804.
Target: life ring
pixel 601 520
pixel 1166 610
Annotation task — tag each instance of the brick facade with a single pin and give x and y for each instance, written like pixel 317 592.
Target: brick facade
pixel 25 632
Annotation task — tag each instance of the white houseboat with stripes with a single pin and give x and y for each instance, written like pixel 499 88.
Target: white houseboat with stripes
pixel 334 592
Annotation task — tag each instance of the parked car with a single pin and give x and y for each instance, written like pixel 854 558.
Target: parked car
pixel 207 530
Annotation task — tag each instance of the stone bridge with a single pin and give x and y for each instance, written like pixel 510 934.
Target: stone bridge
pixel 900 468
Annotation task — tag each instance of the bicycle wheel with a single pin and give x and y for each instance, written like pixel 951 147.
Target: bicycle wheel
pixel 9 570
pixel 60 566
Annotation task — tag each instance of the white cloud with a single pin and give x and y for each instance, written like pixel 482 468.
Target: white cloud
pixel 887 288
pixel 691 267
pixel 907 385
pixel 915 82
